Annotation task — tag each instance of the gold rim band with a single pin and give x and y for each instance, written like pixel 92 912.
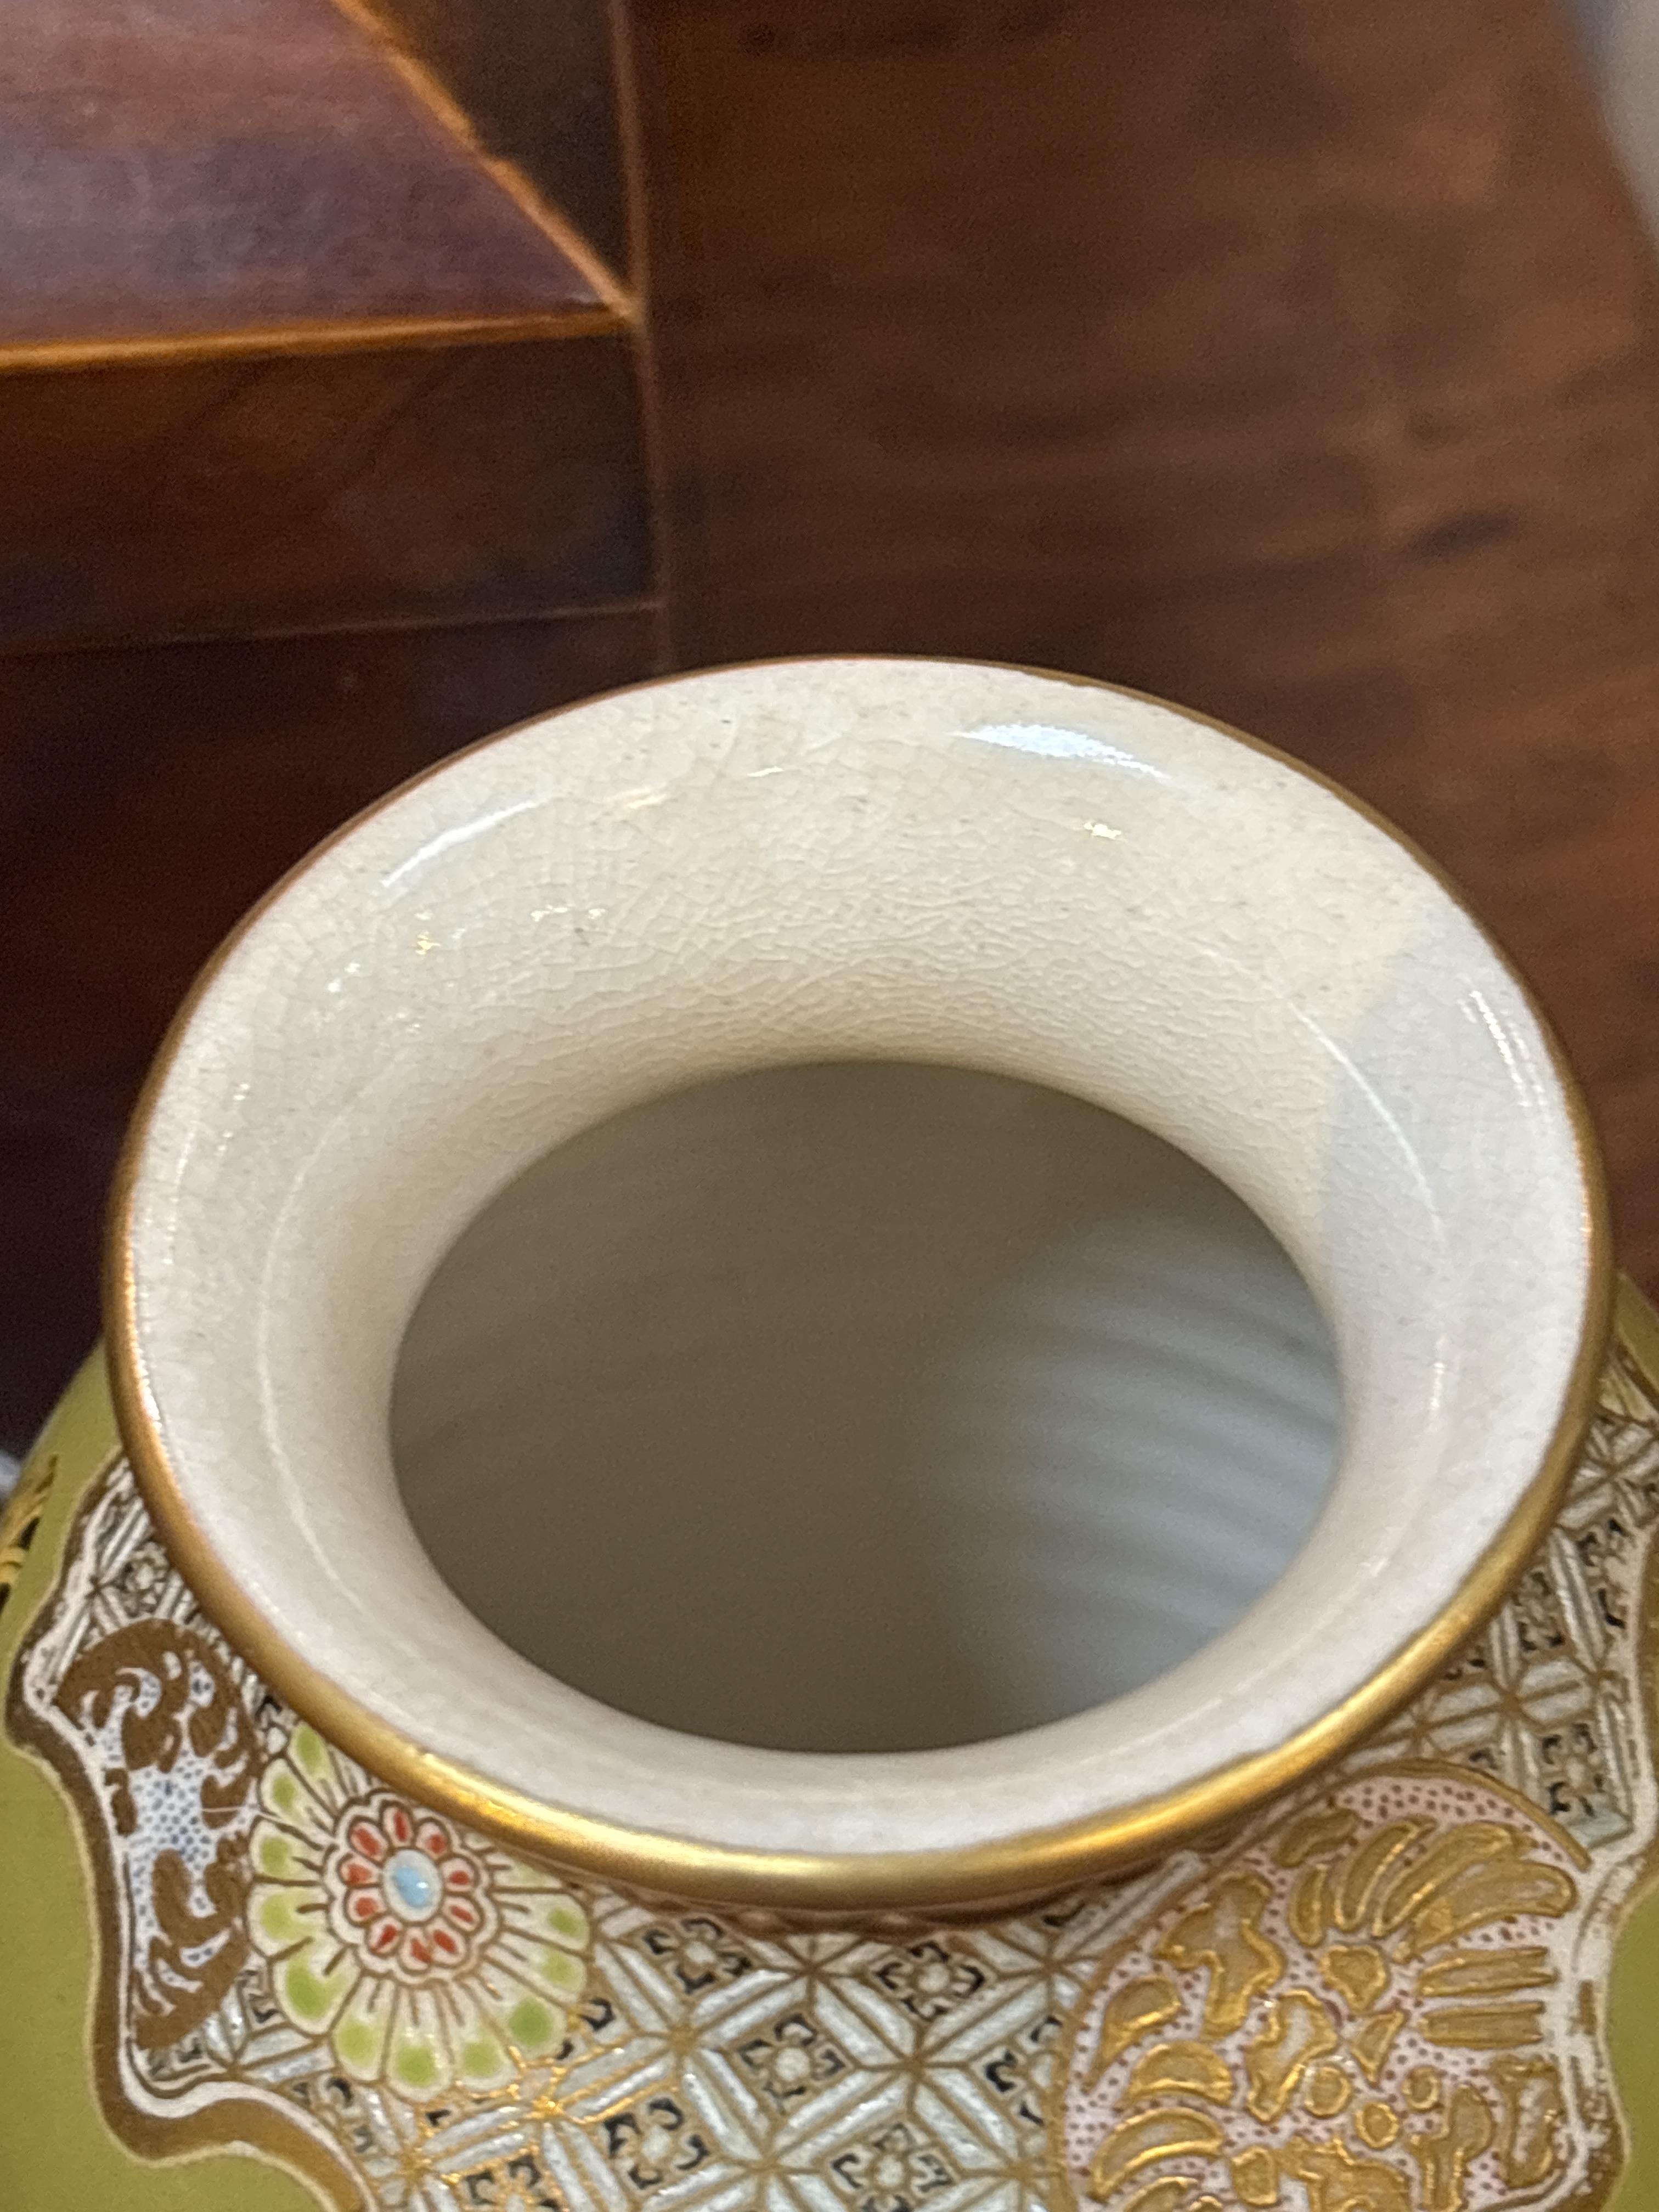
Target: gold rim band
pixel 1008 1870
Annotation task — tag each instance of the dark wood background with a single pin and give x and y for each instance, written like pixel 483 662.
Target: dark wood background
pixel 1295 360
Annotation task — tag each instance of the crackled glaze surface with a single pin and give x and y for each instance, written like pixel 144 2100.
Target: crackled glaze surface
pixel 866 859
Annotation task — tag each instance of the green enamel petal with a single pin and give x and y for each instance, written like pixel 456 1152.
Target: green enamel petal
pixel 483 2062
pixel 531 1902
pixel 283 1795
pixel 568 1922
pixel 273 1853
pixel 358 2048
pixel 532 2021
pixel 313 1985
pixel 313 1758
pixel 415 2066
pixel 557 1974
pixel 421 2059
pixel 361 2032
pixel 281 1914
pixel 537 2028
pixel 482 2059
pixel 293 1803
pixel 561 1971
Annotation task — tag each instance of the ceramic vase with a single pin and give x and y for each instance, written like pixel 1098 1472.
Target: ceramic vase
pixel 1278 1849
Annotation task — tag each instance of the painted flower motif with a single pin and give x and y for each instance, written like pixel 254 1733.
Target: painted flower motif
pixel 144 1578
pixel 428 1956
pixel 929 1978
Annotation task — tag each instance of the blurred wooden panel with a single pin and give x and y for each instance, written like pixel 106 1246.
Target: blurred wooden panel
pixel 172 167
pixel 295 349
pixel 1294 360
pixel 149 797
pixel 223 497
pixel 538 85
pixel 1217 338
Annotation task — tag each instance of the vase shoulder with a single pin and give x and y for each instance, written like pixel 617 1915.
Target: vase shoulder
pixel 303 1985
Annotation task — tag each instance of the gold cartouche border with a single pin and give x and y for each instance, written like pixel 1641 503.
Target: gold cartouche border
pixel 234 2124
pixel 1005 1871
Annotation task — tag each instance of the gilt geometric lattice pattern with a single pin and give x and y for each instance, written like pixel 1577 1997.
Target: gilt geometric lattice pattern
pixel 442 2025
pixel 1547 1698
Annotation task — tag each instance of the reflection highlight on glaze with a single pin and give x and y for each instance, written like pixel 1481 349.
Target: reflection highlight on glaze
pixel 460 833
pixel 1050 742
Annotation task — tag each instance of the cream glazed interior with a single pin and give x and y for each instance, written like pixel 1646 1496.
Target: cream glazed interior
pixel 853 862
pixel 863 1406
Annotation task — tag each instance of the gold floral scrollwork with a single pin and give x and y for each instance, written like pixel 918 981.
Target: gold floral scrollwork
pixel 1338 2180
pixel 1443 2153
pixel 1326 2091
pixel 166 1687
pixel 1190 2070
pixel 1147 2139
pixel 1167 2195
pixel 20 1516
pixel 1532 2108
pixel 1367 2002
pixel 154 1695
pixel 1357 1971
pixel 1129 2013
pixel 1376 2124
pixel 1223 1935
pixel 1299 2030
pixel 1373 2040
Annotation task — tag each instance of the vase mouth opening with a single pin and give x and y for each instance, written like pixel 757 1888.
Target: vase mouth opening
pixel 863 1405
pixel 872 861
